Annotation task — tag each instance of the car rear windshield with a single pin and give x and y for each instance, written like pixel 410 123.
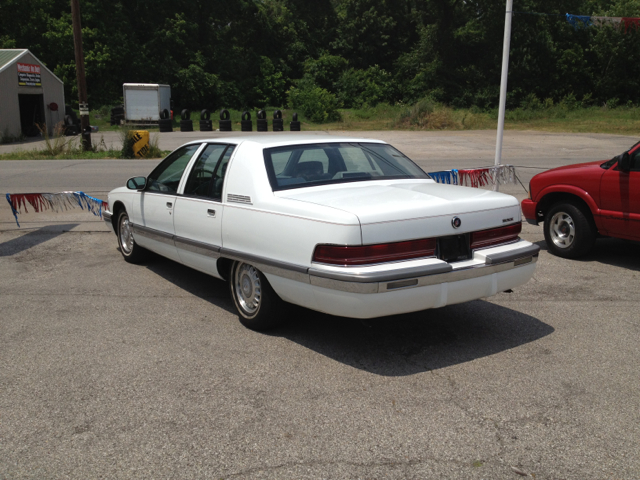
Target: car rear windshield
pixel 299 166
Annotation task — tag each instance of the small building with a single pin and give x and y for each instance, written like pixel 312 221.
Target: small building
pixel 30 94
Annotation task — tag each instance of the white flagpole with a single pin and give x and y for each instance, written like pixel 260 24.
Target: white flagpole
pixel 503 83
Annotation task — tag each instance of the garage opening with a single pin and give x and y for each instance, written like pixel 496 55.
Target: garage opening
pixel 31 113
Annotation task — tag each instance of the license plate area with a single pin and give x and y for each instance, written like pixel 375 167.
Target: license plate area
pixel 454 248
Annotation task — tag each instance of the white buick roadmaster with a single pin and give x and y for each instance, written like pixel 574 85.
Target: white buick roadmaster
pixel 345 226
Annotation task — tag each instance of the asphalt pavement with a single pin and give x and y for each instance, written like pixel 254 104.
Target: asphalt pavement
pixel 111 370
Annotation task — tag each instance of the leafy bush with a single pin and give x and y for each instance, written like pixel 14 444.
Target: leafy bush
pixel 316 103
pixel 325 70
pixel 272 86
pixel 362 88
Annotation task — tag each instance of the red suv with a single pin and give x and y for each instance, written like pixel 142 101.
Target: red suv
pixel 578 202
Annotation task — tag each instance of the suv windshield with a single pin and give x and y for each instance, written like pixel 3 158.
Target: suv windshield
pixel 299 166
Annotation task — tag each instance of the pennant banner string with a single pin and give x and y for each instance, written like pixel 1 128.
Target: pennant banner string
pixel 578 21
pixel 56 202
pixel 478 177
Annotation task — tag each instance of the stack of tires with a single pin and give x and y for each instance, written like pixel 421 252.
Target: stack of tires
pixel 165 123
pixel 117 115
pixel 278 123
pixel 245 123
pixel 225 120
pixel 186 124
pixel 294 126
pixel 261 122
pixel 206 125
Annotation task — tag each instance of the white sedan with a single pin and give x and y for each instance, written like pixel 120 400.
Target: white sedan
pixel 345 226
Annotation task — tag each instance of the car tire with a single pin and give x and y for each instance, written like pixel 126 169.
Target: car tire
pixel 569 230
pixel 131 251
pixel 259 307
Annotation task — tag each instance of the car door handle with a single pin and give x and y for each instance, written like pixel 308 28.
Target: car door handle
pixel 211 212
pixel 169 204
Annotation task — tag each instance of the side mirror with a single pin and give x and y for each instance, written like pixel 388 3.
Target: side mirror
pixel 137 183
pixel 624 162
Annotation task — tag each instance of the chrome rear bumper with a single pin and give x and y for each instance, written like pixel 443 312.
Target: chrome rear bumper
pixel 386 281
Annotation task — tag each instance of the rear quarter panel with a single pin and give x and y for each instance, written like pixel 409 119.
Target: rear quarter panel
pixel 275 228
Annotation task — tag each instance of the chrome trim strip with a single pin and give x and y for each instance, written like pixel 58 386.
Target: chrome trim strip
pixel 349 287
pixel 448 277
pixel 266 265
pixel 200 248
pixel 468 273
pixel 364 283
pixel 510 256
pixel 380 282
pixel 153 234
pixel 385 276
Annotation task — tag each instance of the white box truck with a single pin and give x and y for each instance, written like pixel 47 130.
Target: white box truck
pixel 143 102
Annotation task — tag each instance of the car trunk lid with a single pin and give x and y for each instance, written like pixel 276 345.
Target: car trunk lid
pixel 399 210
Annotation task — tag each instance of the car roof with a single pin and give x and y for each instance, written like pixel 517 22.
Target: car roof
pixel 284 139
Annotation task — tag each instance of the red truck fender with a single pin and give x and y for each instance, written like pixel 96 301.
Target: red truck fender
pixel 575 191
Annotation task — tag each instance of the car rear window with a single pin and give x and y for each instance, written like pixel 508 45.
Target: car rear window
pixel 299 166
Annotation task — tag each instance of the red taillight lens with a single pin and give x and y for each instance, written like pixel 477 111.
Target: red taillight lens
pixel 495 236
pixel 368 254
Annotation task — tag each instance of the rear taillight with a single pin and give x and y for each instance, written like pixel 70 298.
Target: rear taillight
pixel 370 254
pixel 495 236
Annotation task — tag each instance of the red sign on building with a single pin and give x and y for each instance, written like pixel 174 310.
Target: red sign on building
pixel 29 75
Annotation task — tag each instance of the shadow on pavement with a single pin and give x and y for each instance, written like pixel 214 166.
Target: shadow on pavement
pixel 390 346
pixel 192 281
pixel 413 343
pixel 610 251
pixel 31 239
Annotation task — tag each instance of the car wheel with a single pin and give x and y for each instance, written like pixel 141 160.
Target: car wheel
pixel 569 230
pixel 131 251
pixel 258 305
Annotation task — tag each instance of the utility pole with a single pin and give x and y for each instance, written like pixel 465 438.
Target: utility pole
pixel 82 82
pixel 503 83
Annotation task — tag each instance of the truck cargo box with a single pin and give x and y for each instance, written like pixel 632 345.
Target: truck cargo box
pixel 143 102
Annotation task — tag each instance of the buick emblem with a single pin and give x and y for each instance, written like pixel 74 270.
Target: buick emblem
pixel 456 222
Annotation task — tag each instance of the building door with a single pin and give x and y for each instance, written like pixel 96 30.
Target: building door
pixel 31 113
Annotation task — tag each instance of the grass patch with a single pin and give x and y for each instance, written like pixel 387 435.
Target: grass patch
pixel 60 147
pixel 622 120
pixel 75 155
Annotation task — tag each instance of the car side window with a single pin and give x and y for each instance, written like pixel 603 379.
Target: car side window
pixel 166 176
pixel 200 179
pixel 220 173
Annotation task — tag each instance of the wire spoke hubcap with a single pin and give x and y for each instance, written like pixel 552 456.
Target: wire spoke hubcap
pixel 248 288
pixel 126 235
pixel 563 230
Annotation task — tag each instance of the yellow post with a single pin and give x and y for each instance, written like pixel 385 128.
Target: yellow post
pixel 141 142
